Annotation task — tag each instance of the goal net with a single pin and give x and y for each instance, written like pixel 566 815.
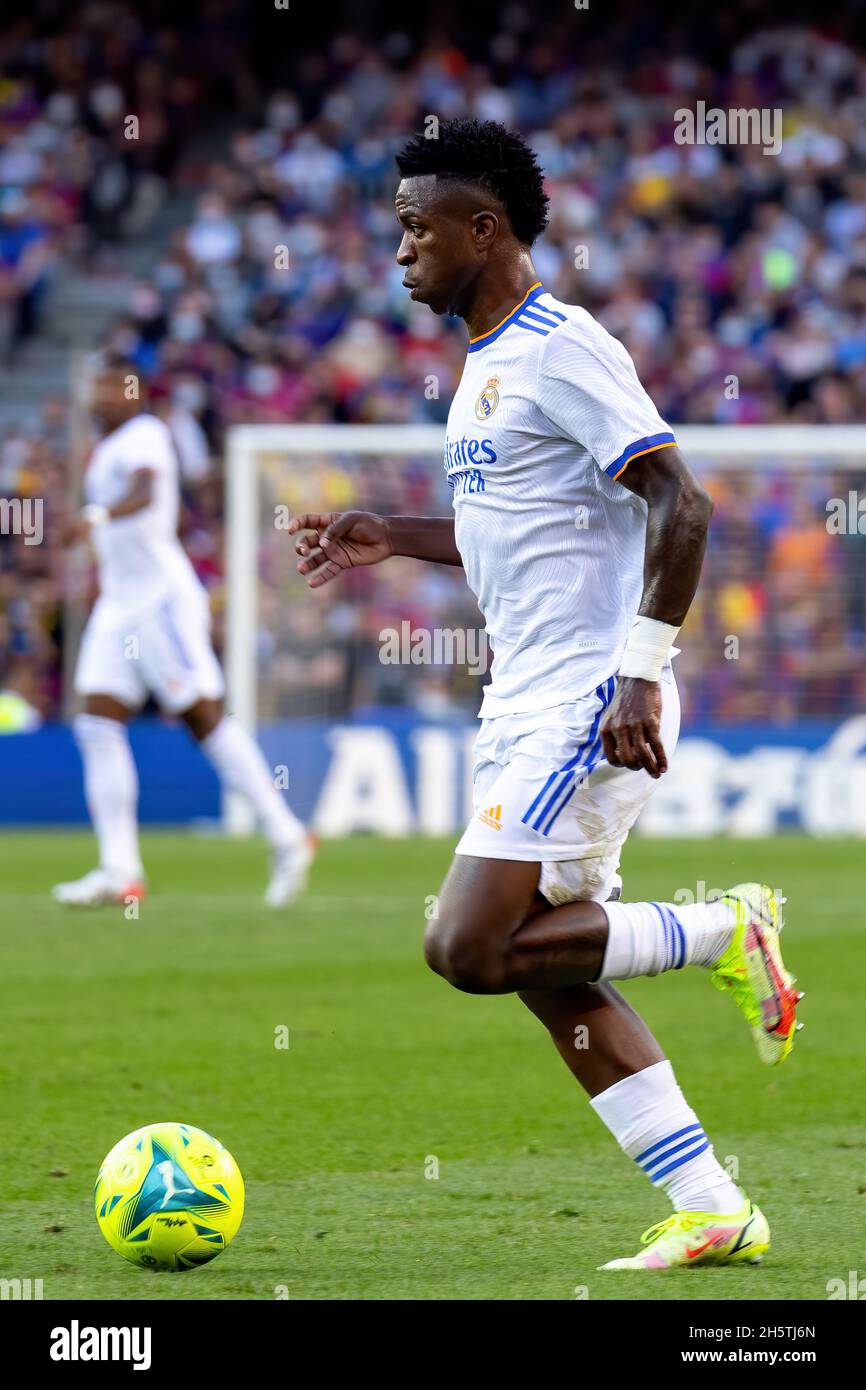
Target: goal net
pixel 365 693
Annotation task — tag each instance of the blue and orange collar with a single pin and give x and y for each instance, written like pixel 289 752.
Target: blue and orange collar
pixel 529 298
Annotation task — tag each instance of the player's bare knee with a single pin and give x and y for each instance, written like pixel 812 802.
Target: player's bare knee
pixel 202 718
pixel 461 956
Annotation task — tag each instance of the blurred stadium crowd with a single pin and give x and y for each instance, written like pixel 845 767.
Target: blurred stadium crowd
pixel 709 262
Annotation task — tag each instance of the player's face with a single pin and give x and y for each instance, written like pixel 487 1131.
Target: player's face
pixel 109 400
pixel 438 250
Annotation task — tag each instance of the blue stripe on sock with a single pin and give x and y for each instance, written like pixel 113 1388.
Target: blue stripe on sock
pixel 679 1161
pixel 669 1153
pixel 680 930
pixel 666 930
pixel 678 939
pixel 663 1143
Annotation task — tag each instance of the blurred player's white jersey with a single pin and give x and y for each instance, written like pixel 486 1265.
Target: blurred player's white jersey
pixel 548 414
pixel 149 632
pixel 140 556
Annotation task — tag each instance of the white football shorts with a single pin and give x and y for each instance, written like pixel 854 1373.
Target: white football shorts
pixel 543 791
pixel 165 651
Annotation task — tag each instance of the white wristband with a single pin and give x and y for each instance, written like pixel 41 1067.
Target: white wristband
pixel 94 514
pixel 647 649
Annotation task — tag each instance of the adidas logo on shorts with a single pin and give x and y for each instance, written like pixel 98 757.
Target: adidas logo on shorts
pixel 492 817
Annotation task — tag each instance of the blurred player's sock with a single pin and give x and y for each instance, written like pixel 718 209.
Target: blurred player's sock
pixel 289 871
pixel 111 791
pixel 648 938
pixel 651 1121
pixel 241 766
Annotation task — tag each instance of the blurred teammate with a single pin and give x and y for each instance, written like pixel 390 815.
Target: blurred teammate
pixel 149 633
pixel 582 532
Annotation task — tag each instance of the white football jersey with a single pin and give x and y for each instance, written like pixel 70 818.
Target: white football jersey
pixel 140 557
pixel 548 414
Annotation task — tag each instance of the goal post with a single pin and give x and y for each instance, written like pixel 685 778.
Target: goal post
pixel 267 465
pixel 245 446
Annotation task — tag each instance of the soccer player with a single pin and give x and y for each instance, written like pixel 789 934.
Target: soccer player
pixel 581 531
pixel 149 633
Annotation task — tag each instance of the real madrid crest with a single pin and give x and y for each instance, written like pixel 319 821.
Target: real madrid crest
pixel 488 399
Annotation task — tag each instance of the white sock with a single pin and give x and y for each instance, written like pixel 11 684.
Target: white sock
pixel 241 766
pixel 648 1116
pixel 648 938
pixel 111 791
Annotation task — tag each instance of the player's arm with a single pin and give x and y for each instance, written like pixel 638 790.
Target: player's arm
pixel 331 542
pixel 138 496
pixel 679 512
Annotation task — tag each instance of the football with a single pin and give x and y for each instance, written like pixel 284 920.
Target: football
pixel 169 1197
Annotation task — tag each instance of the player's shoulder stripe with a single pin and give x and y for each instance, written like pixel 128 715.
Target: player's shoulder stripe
pixel 530 315
pixel 539 313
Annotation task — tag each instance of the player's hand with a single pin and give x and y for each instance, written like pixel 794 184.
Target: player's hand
pixel 337 541
pixel 73 531
pixel 630 732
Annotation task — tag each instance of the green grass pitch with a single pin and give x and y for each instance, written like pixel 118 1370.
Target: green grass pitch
pixel 109 1024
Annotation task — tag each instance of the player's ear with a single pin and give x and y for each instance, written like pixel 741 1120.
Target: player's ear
pixel 485 226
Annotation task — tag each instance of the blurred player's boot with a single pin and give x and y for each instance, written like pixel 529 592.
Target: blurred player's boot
pixel 289 870
pixel 96 889
pixel 701 1238
pixel 753 972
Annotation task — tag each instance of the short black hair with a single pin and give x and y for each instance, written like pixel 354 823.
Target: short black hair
pixel 485 153
pixel 112 361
